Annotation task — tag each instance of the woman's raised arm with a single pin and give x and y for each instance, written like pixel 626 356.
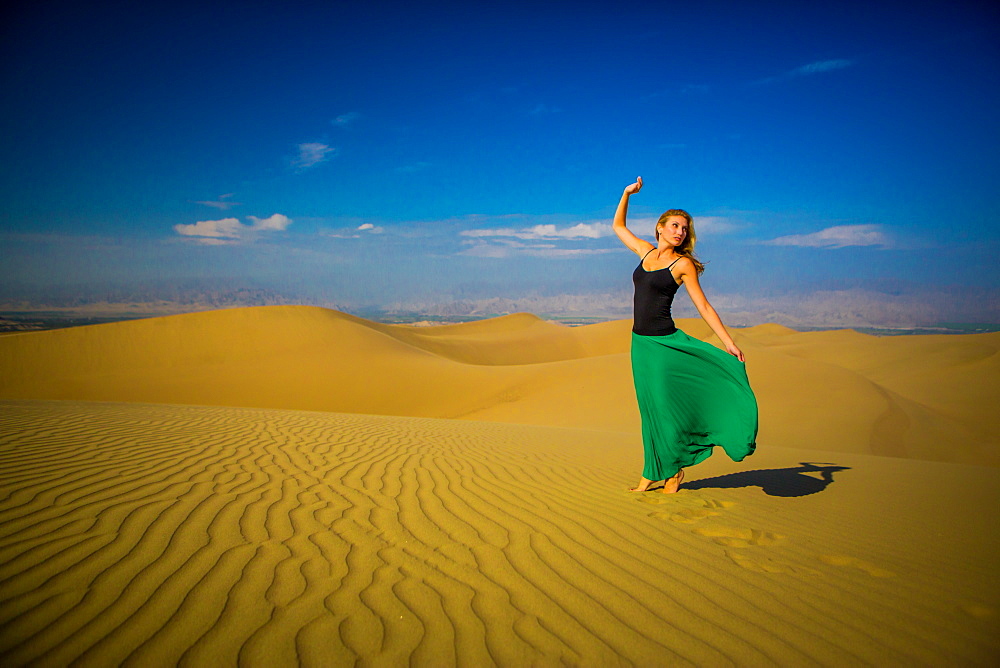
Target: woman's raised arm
pixel 638 246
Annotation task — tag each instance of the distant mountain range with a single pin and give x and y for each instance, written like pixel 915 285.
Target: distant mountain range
pixel 858 308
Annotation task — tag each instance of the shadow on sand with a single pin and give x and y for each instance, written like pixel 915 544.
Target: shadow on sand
pixel 808 478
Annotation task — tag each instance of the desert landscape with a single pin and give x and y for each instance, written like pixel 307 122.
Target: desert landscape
pixel 289 485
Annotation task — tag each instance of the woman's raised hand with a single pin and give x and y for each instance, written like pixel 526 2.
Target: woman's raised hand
pixel 634 188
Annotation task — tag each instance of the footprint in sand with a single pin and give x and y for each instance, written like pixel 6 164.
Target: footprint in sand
pixel 692 515
pixel 854 562
pixel 687 516
pixel 768 565
pixel 695 508
pixel 684 501
pixel 738 537
pixel 692 509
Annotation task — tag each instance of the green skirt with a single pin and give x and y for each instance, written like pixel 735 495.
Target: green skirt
pixel 692 397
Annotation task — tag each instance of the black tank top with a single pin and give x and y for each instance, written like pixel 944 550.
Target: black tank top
pixel 654 293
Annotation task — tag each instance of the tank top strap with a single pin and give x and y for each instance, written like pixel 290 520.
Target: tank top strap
pixel 674 262
pixel 647 254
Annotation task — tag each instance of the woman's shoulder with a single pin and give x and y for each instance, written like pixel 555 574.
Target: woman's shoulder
pixel 686 268
pixel 685 263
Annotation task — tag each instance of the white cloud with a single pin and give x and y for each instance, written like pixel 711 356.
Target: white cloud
pixel 205 241
pixel 227 228
pixel 703 225
pixel 578 231
pixel 353 232
pixel 821 66
pixel 222 203
pixel 714 225
pixel 818 67
pixel 275 221
pixel 564 239
pixel 838 236
pixel 593 230
pixel 231 230
pixel 346 119
pixel 503 248
pixel 495 232
pixel 312 154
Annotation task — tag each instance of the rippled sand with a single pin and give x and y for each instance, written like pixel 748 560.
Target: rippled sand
pixel 139 530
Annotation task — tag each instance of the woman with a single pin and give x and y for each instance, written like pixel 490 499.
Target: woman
pixel 692 396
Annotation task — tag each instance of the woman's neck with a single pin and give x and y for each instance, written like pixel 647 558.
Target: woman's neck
pixel 666 250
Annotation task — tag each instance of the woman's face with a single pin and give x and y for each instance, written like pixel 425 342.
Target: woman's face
pixel 674 230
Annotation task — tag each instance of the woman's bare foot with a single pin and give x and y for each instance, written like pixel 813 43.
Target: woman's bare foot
pixel 643 485
pixel 673 484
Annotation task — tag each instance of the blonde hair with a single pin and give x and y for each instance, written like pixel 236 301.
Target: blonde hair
pixel 686 248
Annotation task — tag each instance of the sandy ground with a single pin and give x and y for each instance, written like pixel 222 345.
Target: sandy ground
pixel 291 485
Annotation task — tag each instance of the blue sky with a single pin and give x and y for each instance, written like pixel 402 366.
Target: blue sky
pixel 389 154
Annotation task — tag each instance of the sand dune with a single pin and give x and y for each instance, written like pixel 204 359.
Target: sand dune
pixel 928 397
pixel 163 535
pixel 288 486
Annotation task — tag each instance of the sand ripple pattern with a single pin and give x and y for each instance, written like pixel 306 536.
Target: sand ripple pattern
pixel 153 535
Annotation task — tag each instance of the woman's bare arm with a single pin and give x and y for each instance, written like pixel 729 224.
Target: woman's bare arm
pixel 689 276
pixel 635 244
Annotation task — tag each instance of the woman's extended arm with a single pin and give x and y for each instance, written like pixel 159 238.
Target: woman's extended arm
pixel 635 244
pixel 689 275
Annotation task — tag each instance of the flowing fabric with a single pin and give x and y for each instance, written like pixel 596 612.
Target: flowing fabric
pixel 692 397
